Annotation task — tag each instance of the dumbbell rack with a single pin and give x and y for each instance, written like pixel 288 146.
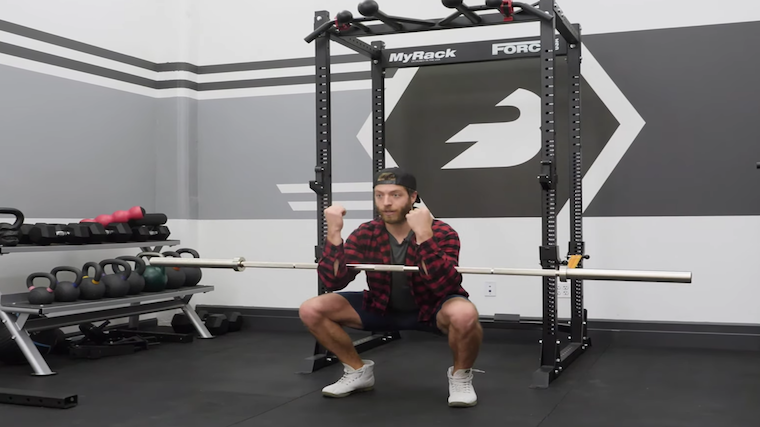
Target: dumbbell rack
pixel 15 311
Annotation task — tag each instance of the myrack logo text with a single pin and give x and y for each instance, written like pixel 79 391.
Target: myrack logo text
pixel 421 55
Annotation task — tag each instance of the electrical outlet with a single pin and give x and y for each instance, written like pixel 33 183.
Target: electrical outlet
pixel 490 289
pixel 563 290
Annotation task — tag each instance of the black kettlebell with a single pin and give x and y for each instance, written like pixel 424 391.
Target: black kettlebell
pixel 175 276
pixel 91 287
pixel 155 276
pixel 116 283
pixel 39 295
pixel 66 291
pixel 193 275
pixel 136 280
pixel 9 233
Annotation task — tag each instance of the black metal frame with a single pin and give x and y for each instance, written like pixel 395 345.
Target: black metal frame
pixel 345 29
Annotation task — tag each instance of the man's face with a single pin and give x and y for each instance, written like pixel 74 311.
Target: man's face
pixel 393 202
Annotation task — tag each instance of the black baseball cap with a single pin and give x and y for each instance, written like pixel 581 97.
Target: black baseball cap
pixel 395 176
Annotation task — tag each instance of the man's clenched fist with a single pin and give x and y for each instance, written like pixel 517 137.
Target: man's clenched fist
pixel 421 222
pixel 334 218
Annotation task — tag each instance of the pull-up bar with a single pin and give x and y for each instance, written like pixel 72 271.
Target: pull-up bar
pixel 345 24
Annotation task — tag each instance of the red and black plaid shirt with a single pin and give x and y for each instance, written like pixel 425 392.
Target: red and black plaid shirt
pixel 370 244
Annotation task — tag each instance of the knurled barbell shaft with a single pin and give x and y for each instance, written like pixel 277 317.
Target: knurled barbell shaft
pixel 564 273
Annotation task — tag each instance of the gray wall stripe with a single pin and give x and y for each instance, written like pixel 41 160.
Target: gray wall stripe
pixel 177 66
pixel 71 64
pixel 174 84
pixel 278 63
pixel 31 33
pixel 291 80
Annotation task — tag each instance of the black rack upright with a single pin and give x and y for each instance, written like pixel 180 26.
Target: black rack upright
pixel 345 30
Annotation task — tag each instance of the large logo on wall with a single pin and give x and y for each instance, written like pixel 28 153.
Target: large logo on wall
pixel 472 135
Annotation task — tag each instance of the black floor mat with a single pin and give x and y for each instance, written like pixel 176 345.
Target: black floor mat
pixel 249 379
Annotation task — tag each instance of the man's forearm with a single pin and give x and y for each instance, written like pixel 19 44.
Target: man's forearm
pixel 334 237
pixel 423 236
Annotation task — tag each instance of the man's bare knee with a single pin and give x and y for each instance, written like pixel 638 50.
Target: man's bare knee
pixel 311 312
pixel 458 314
pixel 329 307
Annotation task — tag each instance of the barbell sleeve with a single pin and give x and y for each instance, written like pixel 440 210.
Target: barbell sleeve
pixel 625 275
pixel 162 261
pixel 563 272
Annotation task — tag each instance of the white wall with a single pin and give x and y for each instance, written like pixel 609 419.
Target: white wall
pixel 241 30
pixel 147 29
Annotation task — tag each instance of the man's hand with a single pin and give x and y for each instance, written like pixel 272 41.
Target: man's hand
pixel 334 218
pixel 421 222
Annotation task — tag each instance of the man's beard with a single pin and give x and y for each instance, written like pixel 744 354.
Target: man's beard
pixel 397 217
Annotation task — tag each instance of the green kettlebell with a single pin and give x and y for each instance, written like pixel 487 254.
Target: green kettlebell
pixel 155 276
pixel 175 276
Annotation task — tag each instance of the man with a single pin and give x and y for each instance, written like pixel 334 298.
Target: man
pixel 430 300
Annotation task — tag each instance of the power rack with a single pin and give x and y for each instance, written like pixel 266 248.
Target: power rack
pixel 558 350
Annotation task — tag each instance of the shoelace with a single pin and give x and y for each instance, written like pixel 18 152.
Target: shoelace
pixel 349 377
pixel 463 384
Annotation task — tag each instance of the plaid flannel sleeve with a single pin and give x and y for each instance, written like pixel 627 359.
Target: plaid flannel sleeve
pixel 332 268
pixel 440 256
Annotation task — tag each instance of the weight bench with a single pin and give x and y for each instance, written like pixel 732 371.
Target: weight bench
pixel 15 310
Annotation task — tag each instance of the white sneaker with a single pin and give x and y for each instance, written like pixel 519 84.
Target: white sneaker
pixel 461 392
pixel 362 379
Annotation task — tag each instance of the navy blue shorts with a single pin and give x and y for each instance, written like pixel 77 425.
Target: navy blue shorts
pixel 393 321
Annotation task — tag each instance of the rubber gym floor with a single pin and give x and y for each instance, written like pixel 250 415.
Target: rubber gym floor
pixel 248 379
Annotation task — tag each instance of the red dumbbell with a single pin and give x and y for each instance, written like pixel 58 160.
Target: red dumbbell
pixel 104 219
pixel 120 216
pixel 135 212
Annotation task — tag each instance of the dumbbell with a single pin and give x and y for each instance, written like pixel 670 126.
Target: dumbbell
pixel 136 217
pixel 217 324
pixel 144 233
pixel 23 234
pixel 117 232
pixel 234 319
pixel 46 234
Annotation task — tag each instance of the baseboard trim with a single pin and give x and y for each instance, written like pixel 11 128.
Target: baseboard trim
pixel 711 336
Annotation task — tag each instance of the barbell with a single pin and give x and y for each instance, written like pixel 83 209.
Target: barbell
pixel 563 272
